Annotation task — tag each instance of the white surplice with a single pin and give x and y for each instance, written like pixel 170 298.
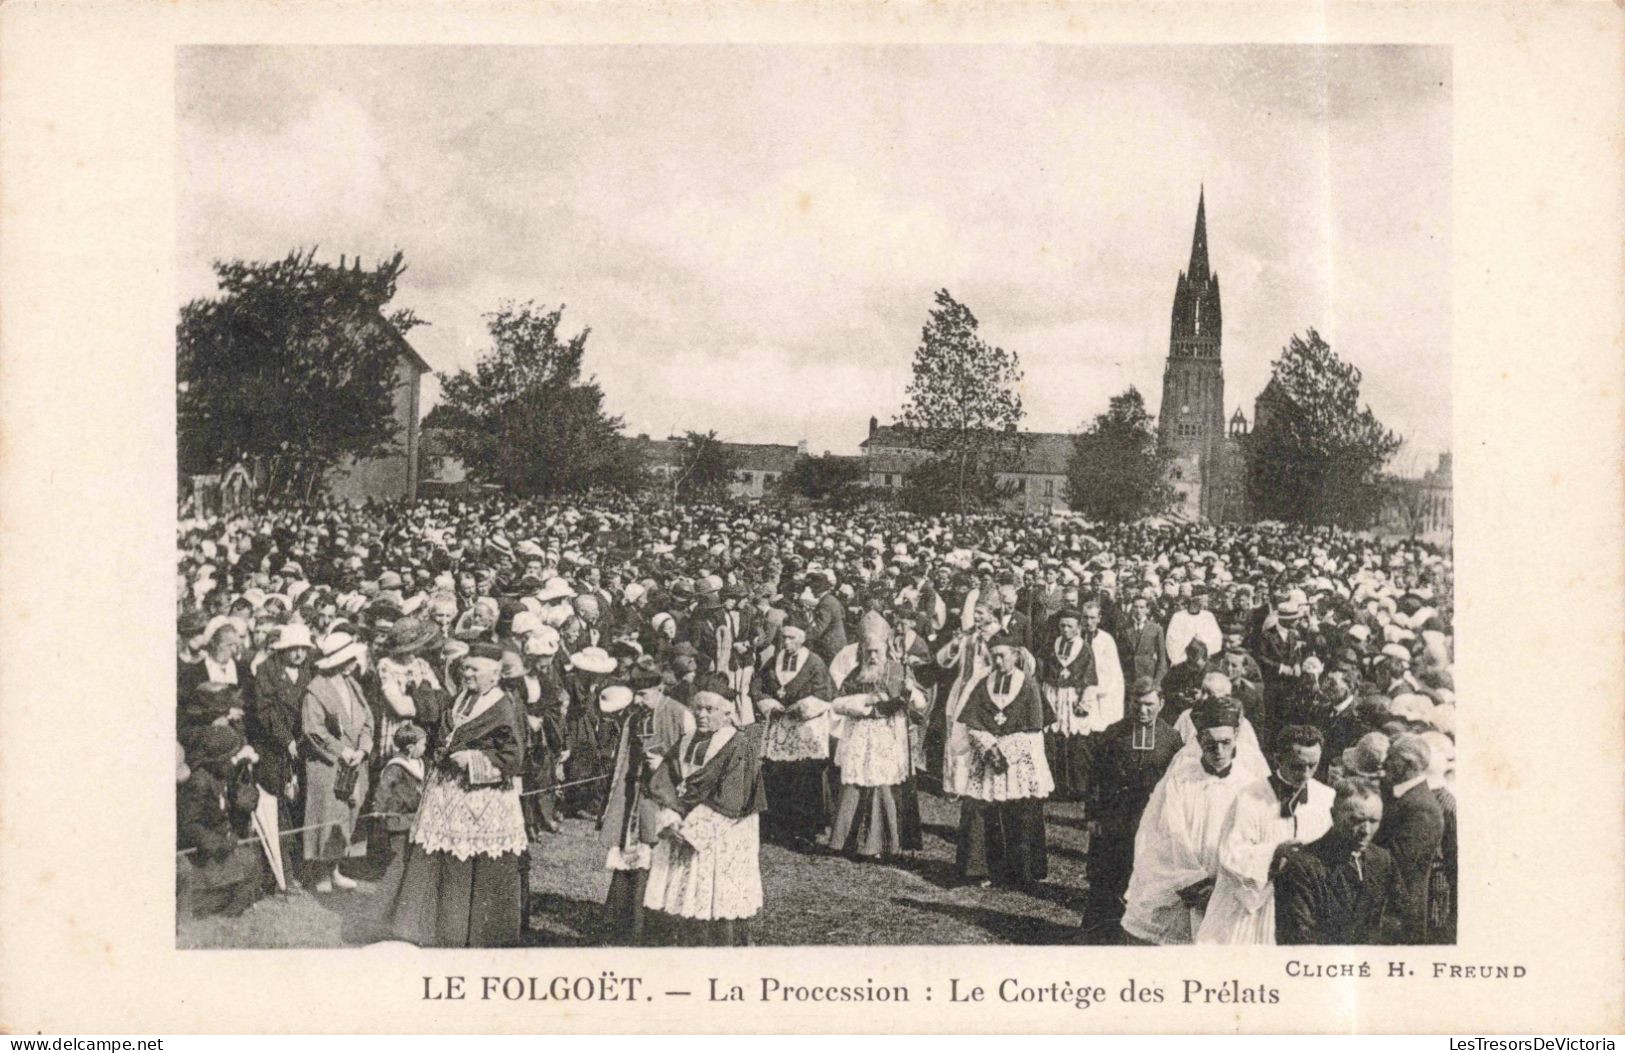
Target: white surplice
pixel 1177 846
pixel 1242 909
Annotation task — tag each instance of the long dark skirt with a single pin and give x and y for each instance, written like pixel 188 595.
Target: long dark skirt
pixel 1002 841
pixel 540 809
pixel 797 801
pixel 1071 759
pixel 592 753
pixel 442 901
pixel 623 907
pixel 873 822
pixel 669 930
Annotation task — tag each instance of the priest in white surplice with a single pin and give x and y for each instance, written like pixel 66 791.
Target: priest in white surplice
pixel 1176 850
pixel 1108 707
pixel 1269 820
pixel 1195 621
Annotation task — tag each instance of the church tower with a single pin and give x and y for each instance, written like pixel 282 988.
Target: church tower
pixel 1191 423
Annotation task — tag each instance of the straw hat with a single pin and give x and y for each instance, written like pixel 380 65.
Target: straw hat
pixel 339 649
pixel 294 635
pixel 614 698
pixel 593 660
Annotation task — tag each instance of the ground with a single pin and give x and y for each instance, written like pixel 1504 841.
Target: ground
pixel 809 899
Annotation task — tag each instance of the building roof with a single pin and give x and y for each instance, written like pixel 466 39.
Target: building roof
pixel 402 346
pixel 1043 452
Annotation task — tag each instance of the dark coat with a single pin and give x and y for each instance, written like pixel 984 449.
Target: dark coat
pixel 1412 829
pixel 812 680
pixel 398 795
pixel 827 633
pixel 1126 776
pixel 1141 650
pixel 1018 631
pixel 1322 898
pixel 273 721
pixel 499 733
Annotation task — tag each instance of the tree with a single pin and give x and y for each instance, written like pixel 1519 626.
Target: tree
pixel 830 479
pixel 291 368
pixel 962 402
pixel 941 484
pixel 1315 454
pixel 524 419
pixel 1116 472
pixel 706 469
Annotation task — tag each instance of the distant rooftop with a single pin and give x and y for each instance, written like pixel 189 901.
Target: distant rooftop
pixel 1043 452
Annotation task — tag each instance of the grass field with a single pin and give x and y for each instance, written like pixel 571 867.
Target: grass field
pixel 810 899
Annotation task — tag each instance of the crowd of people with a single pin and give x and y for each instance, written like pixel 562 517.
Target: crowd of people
pixel 1256 723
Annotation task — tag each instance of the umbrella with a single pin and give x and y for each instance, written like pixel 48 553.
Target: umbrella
pixel 266 829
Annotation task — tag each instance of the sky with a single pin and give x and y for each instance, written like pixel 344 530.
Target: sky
pixel 754 234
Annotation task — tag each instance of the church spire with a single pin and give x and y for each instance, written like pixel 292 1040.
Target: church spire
pixel 1198 270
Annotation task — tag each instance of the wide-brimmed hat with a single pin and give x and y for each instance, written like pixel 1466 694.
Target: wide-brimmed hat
pixel 644 677
pixel 614 698
pixel 338 649
pixel 1366 756
pixel 410 634
pixel 555 589
pixel 593 660
pixel 296 634
pixel 543 642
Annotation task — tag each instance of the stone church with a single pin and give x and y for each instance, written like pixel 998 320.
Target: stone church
pixel 1208 450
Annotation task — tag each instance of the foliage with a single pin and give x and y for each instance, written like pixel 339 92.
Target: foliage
pixel 289 369
pixel 962 403
pixel 706 468
pixel 1116 472
pixel 829 479
pixel 1315 454
pixel 938 485
pixel 524 419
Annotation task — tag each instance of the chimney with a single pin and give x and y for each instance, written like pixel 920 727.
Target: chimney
pixel 873 424
pixel 801 448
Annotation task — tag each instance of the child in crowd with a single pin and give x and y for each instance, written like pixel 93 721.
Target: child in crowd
pixel 400 786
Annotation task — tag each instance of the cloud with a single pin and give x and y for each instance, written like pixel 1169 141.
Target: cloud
pixel 754 234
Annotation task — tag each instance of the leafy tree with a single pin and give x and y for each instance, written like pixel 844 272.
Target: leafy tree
pixel 830 479
pixel 289 369
pixel 524 419
pixel 706 470
pixel 937 485
pixel 1315 454
pixel 962 402
pixel 1116 473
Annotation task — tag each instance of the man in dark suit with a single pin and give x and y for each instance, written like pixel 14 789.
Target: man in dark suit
pixel 1412 829
pixel 1015 628
pixel 827 633
pixel 1335 890
pixel 1129 759
pixel 1139 643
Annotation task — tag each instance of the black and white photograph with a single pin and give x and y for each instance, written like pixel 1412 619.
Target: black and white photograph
pixel 656 495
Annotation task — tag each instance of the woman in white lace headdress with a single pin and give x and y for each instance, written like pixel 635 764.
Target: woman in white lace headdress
pixel 459 885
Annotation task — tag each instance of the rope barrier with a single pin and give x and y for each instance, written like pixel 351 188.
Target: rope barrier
pixel 392 815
